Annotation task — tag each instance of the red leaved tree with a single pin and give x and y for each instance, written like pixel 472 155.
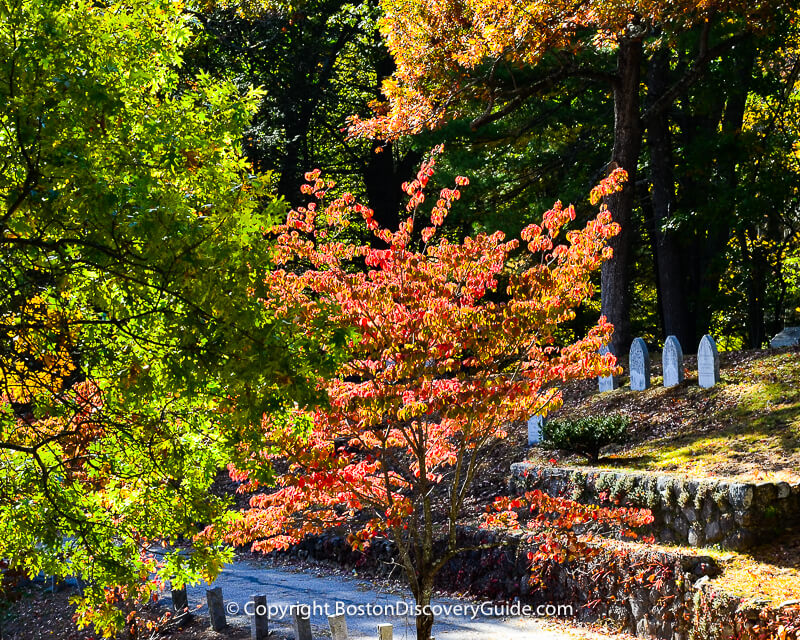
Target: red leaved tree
pixel 442 358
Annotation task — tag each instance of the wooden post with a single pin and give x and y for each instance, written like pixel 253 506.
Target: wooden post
pixel 338 626
pixel 180 601
pixel 259 620
pixel 216 608
pixel 301 623
pixel 384 632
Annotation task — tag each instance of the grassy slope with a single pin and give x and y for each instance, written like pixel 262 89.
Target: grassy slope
pixel 746 427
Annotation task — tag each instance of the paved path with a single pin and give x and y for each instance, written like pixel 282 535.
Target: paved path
pixel 286 587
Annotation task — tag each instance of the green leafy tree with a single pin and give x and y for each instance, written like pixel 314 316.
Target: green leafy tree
pixel 130 332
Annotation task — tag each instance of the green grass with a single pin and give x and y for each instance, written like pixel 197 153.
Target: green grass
pixel 748 426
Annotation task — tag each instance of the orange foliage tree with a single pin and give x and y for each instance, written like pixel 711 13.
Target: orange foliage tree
pixel 442 357
pixel 484 59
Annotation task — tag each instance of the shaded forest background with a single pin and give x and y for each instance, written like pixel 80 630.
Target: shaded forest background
pixel 714 234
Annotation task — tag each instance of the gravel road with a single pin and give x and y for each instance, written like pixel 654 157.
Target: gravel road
pixel 365 605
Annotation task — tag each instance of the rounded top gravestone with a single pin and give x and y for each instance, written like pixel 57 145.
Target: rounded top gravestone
pixel 707 362
pixel 606 383
pixel 672 362
pixel 639 365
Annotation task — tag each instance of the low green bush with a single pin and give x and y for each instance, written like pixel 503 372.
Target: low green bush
pixel 586 436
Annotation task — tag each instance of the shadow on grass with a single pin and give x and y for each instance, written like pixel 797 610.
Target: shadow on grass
pixel 747 434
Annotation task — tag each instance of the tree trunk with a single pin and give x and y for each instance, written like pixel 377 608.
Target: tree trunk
pixel 643 196
pixel 754 289
pixel 615 277
pixel 714 131
pixel 291 171
pixel 383 179
pixel 718 234
pixel 424 614
pixel 669 263
pixel 383 194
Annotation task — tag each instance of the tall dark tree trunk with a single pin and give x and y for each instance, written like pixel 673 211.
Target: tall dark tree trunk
pixel 668 255
pixel 706 254
pixel 719 232
pixel 754 289
pixel 383 189
pixel 689 262
pixel 292 167
pixel 700 232
pixel 615 277
pixel 383 178
pixel 647 209
pixel 384 173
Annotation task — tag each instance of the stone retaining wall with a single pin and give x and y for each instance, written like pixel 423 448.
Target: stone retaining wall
pixel 698 513
pixel 651 592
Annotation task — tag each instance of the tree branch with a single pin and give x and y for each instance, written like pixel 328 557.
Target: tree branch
pixel 704 56
pixel 519 96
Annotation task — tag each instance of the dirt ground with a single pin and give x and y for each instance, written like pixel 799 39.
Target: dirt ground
pixel 39 614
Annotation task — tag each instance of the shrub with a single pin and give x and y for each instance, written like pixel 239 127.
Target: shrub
pixel 587 435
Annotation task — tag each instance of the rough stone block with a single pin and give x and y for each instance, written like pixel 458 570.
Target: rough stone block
pixel 216 608
pixel 259 620
pixel 766 493
pixel 710 510
pixel 713 532
pixel 682 528
pixel 726 522
pixel 740 495
pixel 180 601
pixel 301 624
pixel 696 536
pixel 338 626
pixel 789 337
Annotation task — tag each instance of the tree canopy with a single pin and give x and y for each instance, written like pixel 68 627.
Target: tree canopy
pixel 487 59
pixel 131 249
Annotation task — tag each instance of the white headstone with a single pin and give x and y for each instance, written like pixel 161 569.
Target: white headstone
pixel 639 364
pixel 789 337
pixel 606 383
pixel 707 362
pixel 672 362
pixel 535 430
